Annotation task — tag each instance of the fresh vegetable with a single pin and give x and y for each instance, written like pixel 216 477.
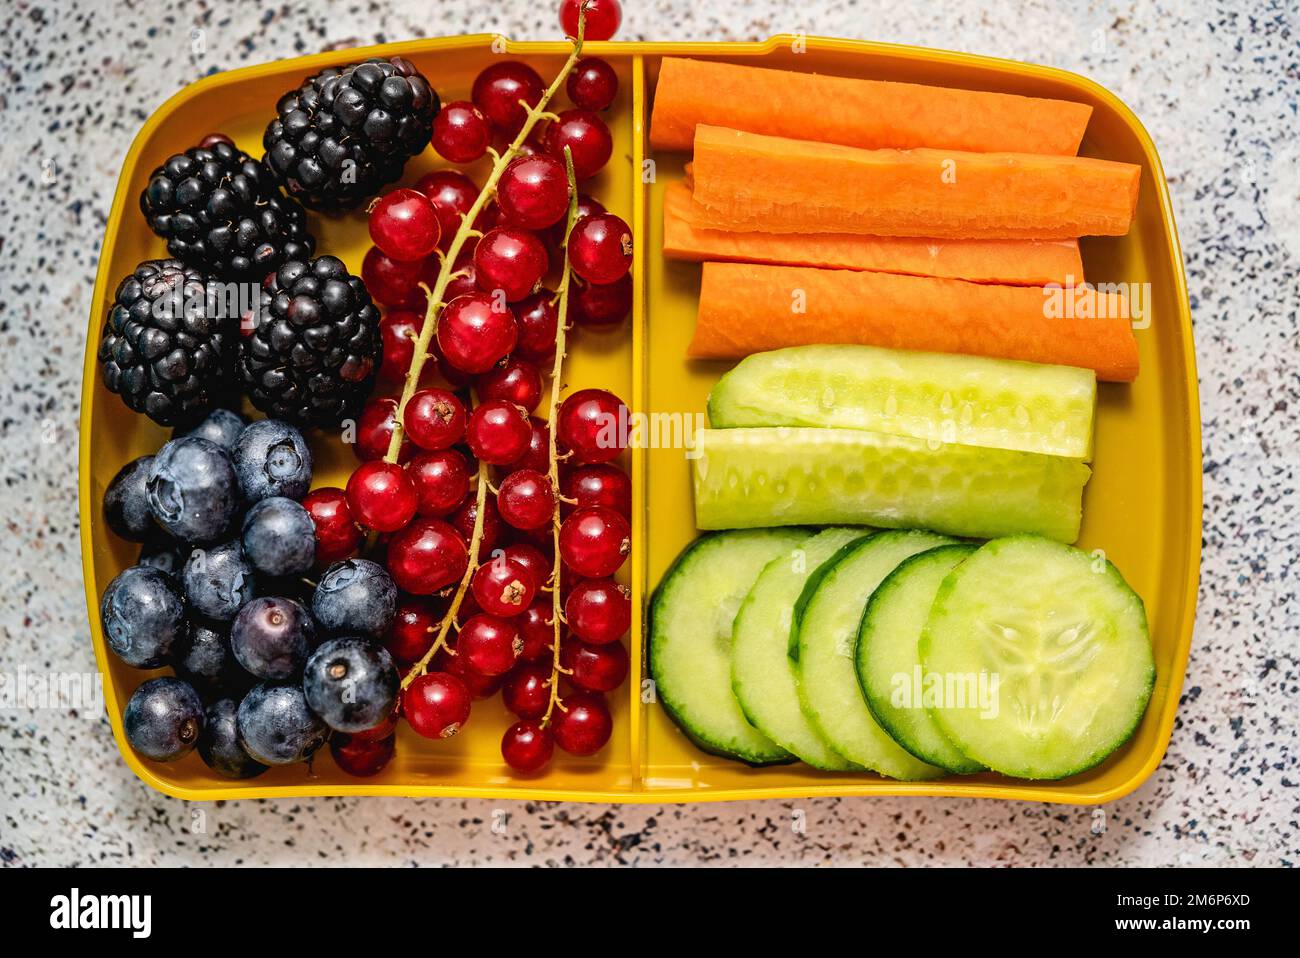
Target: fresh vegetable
pixel 1016 262
pixel 827 630
pixel 747 181
pixel 745 308
pixel 997 403
pixel 864 113
pixel 762 674
pixel 772 477
pixel 1068 640
pixel 886 657
pixel 691 617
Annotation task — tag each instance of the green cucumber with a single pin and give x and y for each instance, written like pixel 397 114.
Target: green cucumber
pixel 762 675
pixel 828 630
pixel 691 615
pixel 1064 642
pixel 784 476
pixel 888 661
pixel 946 397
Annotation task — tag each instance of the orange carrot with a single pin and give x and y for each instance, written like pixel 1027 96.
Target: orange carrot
pixel 745 308
pixel 1018 262
pixel 872 114
pixel 745 181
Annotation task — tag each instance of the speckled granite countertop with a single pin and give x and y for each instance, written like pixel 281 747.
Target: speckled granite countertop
pixel 1215 83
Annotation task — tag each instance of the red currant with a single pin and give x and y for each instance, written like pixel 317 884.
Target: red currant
pixel 452 194
pixel 489 645
pixel 515 380
pixel 212 139
pixel 527 746
pixel 511 260
pixel 594 542
pixel 599 484
pixel 498 90
pixel 480 686
pixel 375 428
pixel 337 535
pixel 530 558
pixel 463 521
pixel 538 323
pixel 498 432
pixel 461 133
pixel 586 136
pixel 594 305
pixel 554 237
pixel 603 18
pixel 592 424
pixel 474 333
pixel 584 726
pixel 599 611
pixel 399 330
pixel 436 705
pixel 434 419
pixel 380 496
pixel 384 729
pixel 405 226
pixel 537 629
pixel 592 85
pixel 426 556
pixel 464 281
pixel 533 191
pixel 526 499
pixel 600 248
pixel 360 756
pixel 441 481
pixel 394 284
pixel 538 455
pixel 413 630
pixel 527 690
pixel 594 668
pixel 502 588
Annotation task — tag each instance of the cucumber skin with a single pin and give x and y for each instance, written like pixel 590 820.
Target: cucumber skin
pixel 886 721
pixel 811 586
pixel 672 713
pixel 945 590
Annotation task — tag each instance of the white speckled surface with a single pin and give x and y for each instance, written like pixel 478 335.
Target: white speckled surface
pixel 1215 83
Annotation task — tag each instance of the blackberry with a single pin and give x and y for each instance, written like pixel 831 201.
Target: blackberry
pixel 221 210
pixel 168 349
pixel 348 131
pixel 314 350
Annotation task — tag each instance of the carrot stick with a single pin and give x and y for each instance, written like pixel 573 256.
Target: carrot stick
pixel 1018 262
pixel 745 181
pixel 871 114
pixel 746 308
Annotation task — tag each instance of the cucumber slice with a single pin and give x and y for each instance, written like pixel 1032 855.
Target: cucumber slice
pixel 784 476
pixel 691 614
pixel 1066 639
pixel 945 397
pixel 828 630
pixel 762 675
pixel 888 661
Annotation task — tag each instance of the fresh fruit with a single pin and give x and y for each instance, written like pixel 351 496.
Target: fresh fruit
pixel 346 132
pixel 511 260
pixel 756 477
pixel 584 725
pixel 163 719
pixel 529 558
pixel 452 194
pixel 461 132
pixel 526 500
pixel 498 432
pixel 276 726
pixel 218 580
pixel 436 705
pixel 271 637
pixel 527 690
pixel 499 90
pixel 220 210
pixel 598 484
pixel 203 659
pixel 592 85
pixel 166 349
pixel 537 456
pixel 362 757
pixel 219 743
pixel 434 419
pixel 351 684
pixel 462 520
pixel 475 332
pixel 503 588
pixel 279 537
pixel 538 323
pixel 601 21
pixel 126 501
pixel 143 615
pixel 599 611
pixel 414 627
pixel 514 380
pixel 271 458
pixel 527 746
pixel 594 542
pixel 488 644
pixel 395 285
pixel 375 427
pixel 594 305
pixel 164 553
pixel 594 668
pixel 192 490
pixel 533 191
pixel 381 496
pixel 355 597
pixel 586 136
pixel 600 248
pixel 405 226
pixel 426 556
pixel 337 535
pixel 441 481
pixel 537 630
pixel 313 353
pixel 593 426
pixel 398 331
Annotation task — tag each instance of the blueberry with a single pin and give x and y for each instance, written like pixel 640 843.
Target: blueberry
pixel 163 552
pixel 204 660
pixel 271 637
pixel 218 580
pixel 219 743
pixel 192 489
pixel 272 459
pixel 126 501
pixel 163 719
pixel 279 537
pixel 355 597
pixel 222 426
pixel 143 615
pixel 275 725
pixel 351 683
